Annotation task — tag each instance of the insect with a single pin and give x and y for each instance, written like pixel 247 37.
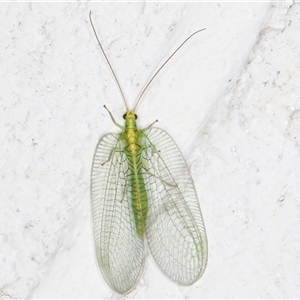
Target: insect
pixel 141 187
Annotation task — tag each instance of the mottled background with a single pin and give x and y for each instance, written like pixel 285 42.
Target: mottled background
pixel 230 99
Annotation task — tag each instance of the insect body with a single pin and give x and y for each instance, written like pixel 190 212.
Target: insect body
pixel 133 147
pixel 141 187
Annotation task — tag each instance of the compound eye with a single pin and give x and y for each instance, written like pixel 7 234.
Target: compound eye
pixel 135 116
pixel 124 116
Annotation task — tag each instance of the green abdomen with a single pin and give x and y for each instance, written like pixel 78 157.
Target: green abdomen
pixel 138 194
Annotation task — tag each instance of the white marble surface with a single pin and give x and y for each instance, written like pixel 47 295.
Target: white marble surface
pixel 230 98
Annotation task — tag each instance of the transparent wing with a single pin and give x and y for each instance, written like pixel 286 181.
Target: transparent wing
pixel 175 229
pixel 119 250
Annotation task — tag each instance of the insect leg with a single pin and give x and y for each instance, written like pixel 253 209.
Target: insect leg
pixel 120 126
pixel 125 191
pixel 113 150
pixel 175 185
pixel 150 125
pixel 110 155
pixel 155 151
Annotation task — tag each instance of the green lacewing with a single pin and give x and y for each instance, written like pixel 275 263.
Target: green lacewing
pixel 141 188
